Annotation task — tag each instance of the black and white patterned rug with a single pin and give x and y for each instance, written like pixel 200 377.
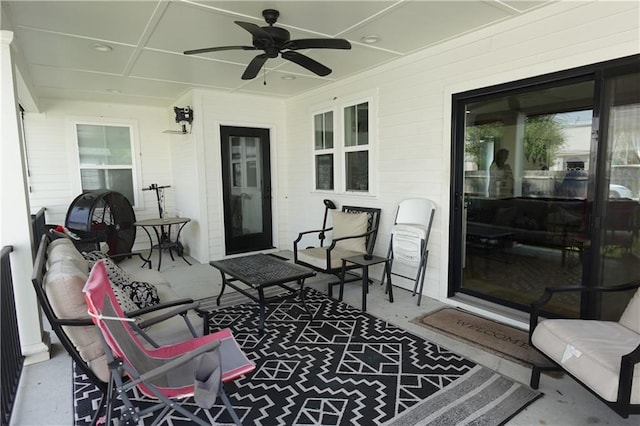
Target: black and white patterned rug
pixel 344 367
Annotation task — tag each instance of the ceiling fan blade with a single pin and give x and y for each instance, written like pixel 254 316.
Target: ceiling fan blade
pixel 254 67
pixel 255 30
pixel 218 49
pixel 317 43
pixel 306 62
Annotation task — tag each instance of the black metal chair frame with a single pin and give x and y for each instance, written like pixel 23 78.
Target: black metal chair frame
pixel 58 324
pixel 373 222
pixel 622 406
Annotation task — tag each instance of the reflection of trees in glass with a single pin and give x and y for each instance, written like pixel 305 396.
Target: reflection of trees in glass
pixel 543 138
pixel 478 136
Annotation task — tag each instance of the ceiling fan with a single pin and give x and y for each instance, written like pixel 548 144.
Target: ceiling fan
pixel 276 41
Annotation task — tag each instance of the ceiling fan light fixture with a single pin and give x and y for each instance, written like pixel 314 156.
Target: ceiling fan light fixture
pixel 101 47
pixel 275 41
pixel 371 39
pixel 288 77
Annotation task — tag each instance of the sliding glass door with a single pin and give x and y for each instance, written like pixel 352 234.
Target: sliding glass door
pixel 617 230
pixel 547 182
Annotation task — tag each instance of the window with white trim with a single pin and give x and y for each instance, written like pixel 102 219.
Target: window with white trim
pixel 106 158
pixel 356 147
pixel 343 147
pixel 323 151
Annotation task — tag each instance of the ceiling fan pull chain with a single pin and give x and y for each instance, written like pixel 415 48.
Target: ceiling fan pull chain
pixel 264 75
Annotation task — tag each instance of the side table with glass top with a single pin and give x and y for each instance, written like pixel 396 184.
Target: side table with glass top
pixel 162 228
pixel 365 261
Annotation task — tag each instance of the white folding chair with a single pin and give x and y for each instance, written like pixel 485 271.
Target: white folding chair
pixel 409 238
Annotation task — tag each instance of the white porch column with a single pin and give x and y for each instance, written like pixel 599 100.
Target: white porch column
pixel 15 218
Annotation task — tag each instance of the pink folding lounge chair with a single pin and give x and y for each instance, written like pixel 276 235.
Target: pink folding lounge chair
pixel 197 367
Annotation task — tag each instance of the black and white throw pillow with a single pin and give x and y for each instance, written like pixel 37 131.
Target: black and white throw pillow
pixel 141 293
pixel 93 256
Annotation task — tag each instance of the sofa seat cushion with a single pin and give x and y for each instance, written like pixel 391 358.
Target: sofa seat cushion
pixel 591 351
pixel 317 256
pixel 63 284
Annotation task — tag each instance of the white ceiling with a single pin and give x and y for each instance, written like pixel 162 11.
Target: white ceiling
pixel 146 64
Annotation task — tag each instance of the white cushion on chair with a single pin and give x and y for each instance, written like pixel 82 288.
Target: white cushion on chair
pixel 63 284
pixel 631 316
pixel 347 225
pixel 318 257
pixel 592 351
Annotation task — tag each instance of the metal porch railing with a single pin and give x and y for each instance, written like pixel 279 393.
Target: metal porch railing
pixel 11 359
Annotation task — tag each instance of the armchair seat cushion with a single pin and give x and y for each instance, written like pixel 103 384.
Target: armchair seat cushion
pixel 591 351
pixel 317 256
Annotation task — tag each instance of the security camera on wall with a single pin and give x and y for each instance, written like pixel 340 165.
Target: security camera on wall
pixel 184 117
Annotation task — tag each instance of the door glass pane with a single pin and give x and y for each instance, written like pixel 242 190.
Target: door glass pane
pixel 526 165
pixel 620 251
pixel 246 191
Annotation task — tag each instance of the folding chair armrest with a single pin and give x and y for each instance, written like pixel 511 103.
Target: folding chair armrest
pixel 169 314
pixel 178 361
pixel 74 322
pixel 187 303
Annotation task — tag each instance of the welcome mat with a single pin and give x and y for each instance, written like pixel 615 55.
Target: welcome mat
pixel 500 339
pixel 343 367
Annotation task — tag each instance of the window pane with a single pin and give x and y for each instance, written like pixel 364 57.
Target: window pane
pixel 328 130
pixel 324 172
pixel 356 125
pixel 323 130
pixel 357 165
pixel 104 145
pixel 318 131
pixel 350 126
pixel 120 180
pixel 363 124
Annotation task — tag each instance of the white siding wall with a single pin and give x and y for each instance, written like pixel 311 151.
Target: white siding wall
pixel 186 184
pixel 53 170
pixel 221 109
pixel 414 104
pixel 414 135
